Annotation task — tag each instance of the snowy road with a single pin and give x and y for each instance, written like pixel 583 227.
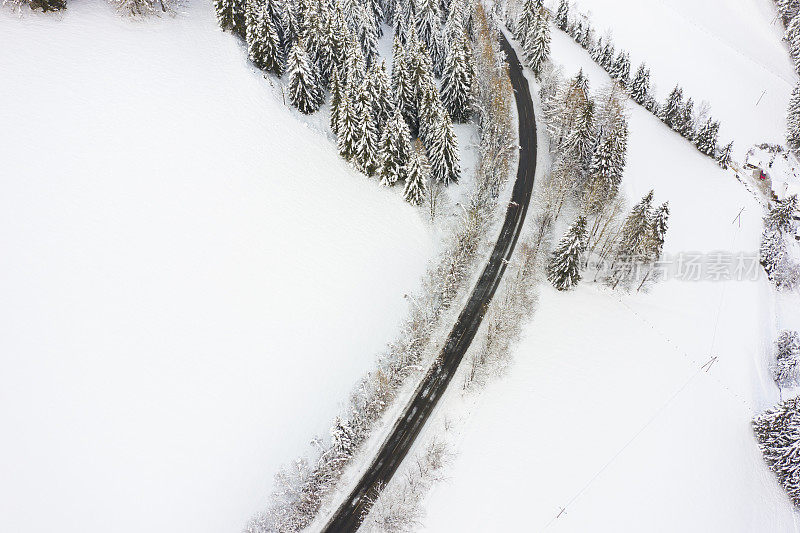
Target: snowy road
pixel 349 515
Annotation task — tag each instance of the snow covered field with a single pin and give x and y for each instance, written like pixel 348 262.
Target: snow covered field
pixel 727 53
pixel 191 278
pixel 607 411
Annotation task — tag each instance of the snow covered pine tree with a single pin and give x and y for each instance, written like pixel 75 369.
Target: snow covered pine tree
pixel 780 214
pixel 537 43
pixel 304 90
pixel 443 149
pixel 417 175
pixel 457 80
pixel 672 112
pixel 706 139
pixel 793 120
pixel 778 435
pixel 394 150
pixel 640 86
pixel 772 252
pixel 724 156
pixel 563 269
pixel 231 16
pixel 787 358
pixel 263 40
pixel 40 5
pixel 562 15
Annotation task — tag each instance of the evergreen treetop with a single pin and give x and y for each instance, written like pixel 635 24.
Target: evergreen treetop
pixel 305 92
pixel 417 175
pixel 564 266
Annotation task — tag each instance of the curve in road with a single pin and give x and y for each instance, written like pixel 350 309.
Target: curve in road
pixel 349 515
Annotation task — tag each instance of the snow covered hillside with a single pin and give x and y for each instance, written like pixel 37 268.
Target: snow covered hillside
pixel 727 53
pixel 191 277
pixel 608 412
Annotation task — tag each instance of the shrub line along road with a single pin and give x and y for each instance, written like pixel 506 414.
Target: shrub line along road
pixel 349 515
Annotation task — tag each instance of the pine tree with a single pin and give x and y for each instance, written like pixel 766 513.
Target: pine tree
pixel 382 91
pixel 304 90
pixel 706 139
pixel 562 15
pixel 636 232
pixel 394 150
pixel 428 22
pixel 686 125
pixel 417 175
pixel 772 251
pixel 231 16
pixel 291 24
pixel 563 269
pixel 347 130
pixel 429 109
pixel 402 84
pixel 343 437
pixel 355 64
pixel 724 157
pixel 263 43
pixel 640 86
pixel 387 9
pixel 526 21
pixel 367 33
pixel 581 139
pixel 438 53
pixel 603 183
pixel 421 81
pixel 404 22
pixel 375 8
pixel 575 99
pixel 793 121
pixel 659 231
pixel 316 28
pixel 787 358
pixel 331 44
pixel 778 434
pixel 537 47
pixel 337 96
pixel 365 154
pixel 454 26
pixel 44 5
pixel 672 112
pixel 597 50
pixel 133 8
pixel 612 118
pixel 457 81
pixel 586 37
pixel 780 214
pixel 792 36
pixel 443 150
pixel 636 243
pixel 576 30
pixel 621 68
pixel 607 56
pixel 788 10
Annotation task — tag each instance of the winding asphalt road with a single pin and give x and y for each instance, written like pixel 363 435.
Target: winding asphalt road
pixel 349 515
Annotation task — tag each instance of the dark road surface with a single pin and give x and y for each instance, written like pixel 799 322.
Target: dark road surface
pixel 349 515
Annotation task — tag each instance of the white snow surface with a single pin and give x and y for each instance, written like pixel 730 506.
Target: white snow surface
pixel 728 53
pixel 191 278
pixel 607 411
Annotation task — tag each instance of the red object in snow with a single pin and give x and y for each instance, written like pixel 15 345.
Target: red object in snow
pixel 762 176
